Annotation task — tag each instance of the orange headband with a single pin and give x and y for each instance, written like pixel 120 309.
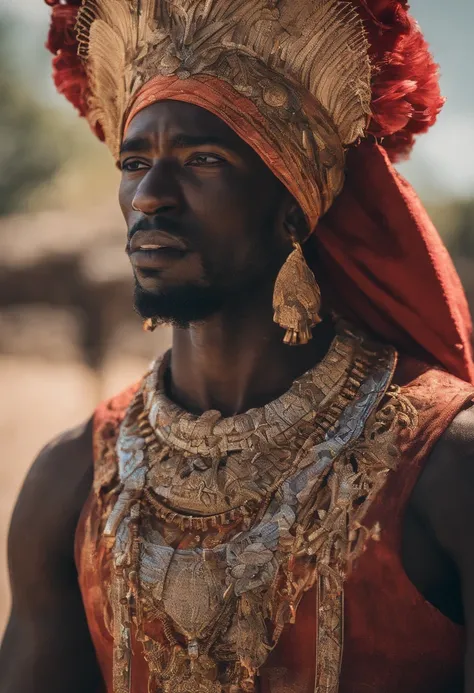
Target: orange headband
pixel 242 115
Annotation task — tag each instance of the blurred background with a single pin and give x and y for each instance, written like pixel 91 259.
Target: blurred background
pixel 68 334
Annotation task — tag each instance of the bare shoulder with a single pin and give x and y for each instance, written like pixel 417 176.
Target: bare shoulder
pixel 63 462
pixel 47 645
pixel 444 494
pixel 51 499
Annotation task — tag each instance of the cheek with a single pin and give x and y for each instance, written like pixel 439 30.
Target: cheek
pixel 126 193
pixel 236 244
pixel 230 234
pixel 232 212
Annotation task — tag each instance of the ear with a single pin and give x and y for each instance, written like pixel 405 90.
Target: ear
pixel 290 221
pixel 295 221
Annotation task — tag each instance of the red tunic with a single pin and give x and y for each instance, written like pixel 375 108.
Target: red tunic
pixel 395 641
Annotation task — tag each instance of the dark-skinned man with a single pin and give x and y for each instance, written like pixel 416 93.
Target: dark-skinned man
pixel 269 509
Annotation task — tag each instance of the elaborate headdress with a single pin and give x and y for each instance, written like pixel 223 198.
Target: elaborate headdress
pixel 301 81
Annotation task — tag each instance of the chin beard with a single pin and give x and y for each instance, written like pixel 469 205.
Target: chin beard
pixel 179 306
pixel 182 305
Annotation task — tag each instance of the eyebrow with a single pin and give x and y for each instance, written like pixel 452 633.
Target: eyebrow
pixel 135 144
pixel 181 141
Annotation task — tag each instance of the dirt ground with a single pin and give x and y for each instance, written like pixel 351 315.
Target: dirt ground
pixel 39 400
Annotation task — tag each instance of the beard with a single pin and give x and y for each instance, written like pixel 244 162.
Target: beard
pixel 221 285
pixel 195 302
pixel 179 306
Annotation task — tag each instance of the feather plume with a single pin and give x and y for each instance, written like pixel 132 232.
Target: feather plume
pixel 69 74
pixel 406 97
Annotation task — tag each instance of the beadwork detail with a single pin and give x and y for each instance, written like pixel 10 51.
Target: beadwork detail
pixel 220 525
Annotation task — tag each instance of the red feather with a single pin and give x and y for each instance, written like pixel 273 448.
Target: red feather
pixel 69 74
pixel 406 97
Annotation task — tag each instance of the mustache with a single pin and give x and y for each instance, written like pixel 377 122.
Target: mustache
pixel 156 223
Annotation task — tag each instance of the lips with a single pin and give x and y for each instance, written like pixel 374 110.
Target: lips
pixel 155 250
pixel 155 240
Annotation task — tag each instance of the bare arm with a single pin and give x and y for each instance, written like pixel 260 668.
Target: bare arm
pixel 444 499
pixel 47 647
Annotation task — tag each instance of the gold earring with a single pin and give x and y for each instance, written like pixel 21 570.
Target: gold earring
pixel 150 324
pixel 296 298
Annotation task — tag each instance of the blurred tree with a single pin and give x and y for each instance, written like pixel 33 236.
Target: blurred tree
pixel 30 147
pixel 463 241
pixel 454 219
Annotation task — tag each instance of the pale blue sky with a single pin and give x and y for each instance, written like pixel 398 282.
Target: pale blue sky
pixel 443 161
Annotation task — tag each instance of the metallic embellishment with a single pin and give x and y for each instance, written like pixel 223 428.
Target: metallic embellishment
pixel 150 324
pixel 223 604
pixel 296 298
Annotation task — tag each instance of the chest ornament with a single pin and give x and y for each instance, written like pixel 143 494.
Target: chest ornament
pixel 220 525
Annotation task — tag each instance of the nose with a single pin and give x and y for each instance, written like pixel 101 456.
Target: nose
pixel 158 191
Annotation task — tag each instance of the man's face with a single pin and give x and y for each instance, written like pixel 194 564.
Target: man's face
pixel 204 213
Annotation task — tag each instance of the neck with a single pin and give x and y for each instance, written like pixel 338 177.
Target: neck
pixel 236 360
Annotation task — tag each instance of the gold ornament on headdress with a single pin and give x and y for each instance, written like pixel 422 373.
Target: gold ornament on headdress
pixel 150 324
pixel 296 298
pixel 303 63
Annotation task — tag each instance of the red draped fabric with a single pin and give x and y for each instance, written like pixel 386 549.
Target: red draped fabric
pixel 386 265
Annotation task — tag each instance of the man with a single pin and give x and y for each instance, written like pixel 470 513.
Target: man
pixel 267 510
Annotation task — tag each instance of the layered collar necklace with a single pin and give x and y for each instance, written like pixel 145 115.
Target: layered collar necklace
pixel 220 524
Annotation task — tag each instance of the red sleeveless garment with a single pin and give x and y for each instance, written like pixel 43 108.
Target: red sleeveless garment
pixel 395 641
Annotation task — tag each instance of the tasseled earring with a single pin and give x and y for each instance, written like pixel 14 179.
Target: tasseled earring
pixel 296 298
pixel 150 325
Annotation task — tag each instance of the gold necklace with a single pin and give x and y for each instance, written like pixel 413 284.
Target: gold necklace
pixel 219 468
pixel 215 599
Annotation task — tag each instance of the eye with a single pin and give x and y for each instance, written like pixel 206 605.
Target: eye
pixel 133 165
pixel 205 160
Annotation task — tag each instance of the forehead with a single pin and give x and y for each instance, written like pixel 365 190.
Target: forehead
pixel 171 118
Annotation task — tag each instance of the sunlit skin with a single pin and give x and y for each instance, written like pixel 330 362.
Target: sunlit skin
pixel 187 173
pixel 216 200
